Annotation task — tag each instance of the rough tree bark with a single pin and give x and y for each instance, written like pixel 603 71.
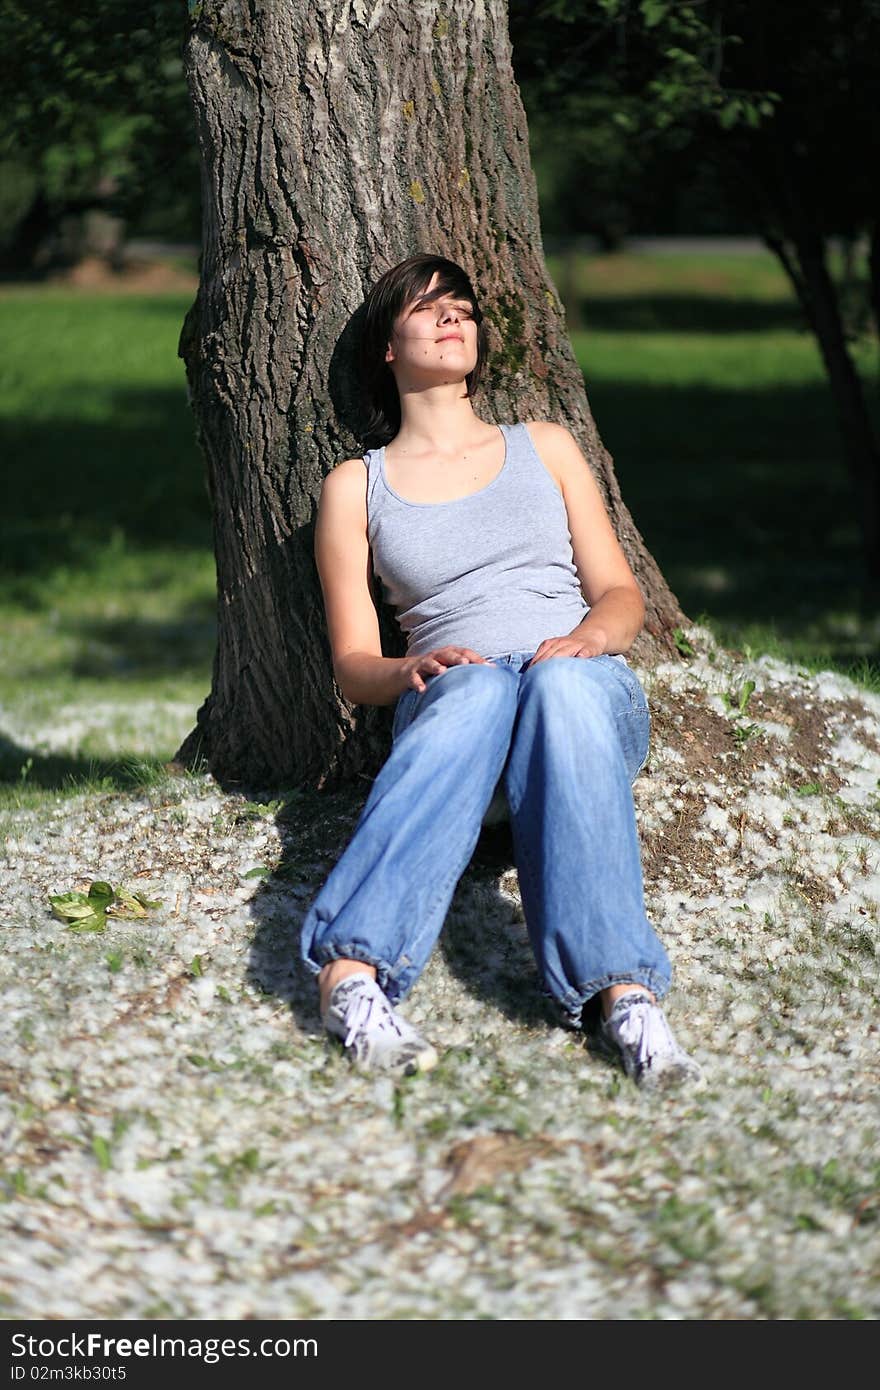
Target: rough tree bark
pixel 337 138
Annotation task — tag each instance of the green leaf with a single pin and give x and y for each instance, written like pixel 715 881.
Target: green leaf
pixel 654 12
pixel 745 695
pixel 114 961
pixel 252 810
pixel 87 912
pixel 195 966
pixel 133 905
pixel 101 1150
pixel 69 906
pixel 682 643
pixel 808 789
pixel 96 921
pixel 148 903
pixel 728 114
pixel 743 732
pixel 805 1222
pixel 127 905
pixel 259 871
pixel 81 914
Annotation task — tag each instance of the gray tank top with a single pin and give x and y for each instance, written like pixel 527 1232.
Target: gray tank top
pixel 493 571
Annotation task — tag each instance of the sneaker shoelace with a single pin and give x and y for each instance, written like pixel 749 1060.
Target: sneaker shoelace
pixel 644 1030
pixel 360 1014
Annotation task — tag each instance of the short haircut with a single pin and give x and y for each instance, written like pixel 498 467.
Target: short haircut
pixel 388 297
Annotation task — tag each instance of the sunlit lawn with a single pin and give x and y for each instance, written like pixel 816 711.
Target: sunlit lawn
pixel 706 389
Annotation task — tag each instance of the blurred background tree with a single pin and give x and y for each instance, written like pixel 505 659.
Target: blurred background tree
pixel 97 141
pixel 768 109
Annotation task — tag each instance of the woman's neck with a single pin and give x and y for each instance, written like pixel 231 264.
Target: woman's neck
pixel 436 426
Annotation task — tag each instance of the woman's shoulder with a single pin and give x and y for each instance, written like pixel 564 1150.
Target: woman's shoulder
pixel 344 488
pixel 547 429
pixel 348 474
pixel 354 467
pixel 553 444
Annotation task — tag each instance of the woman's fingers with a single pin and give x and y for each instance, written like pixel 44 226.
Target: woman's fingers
pixel 459 656
pixel 435 663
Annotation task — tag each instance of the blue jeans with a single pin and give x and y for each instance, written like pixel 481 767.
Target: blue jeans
pixel 566 738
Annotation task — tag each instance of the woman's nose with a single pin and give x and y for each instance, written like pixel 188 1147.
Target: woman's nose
pixel 448 312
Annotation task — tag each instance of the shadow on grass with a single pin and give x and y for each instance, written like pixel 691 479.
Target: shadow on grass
pixel 480 944
pixel 682 313
pixel 72 482
pixel 744 503
pixel 23 768
pixel 142 648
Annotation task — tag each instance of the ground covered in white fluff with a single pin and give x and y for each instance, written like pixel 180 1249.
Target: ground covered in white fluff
pixel 180 1140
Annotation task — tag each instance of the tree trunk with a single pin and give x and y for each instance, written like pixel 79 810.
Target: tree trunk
pixel 793 232
pixel 337 139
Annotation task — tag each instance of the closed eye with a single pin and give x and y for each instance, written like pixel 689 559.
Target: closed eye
pixel 463 309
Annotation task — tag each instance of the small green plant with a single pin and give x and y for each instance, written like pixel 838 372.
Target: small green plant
pixel 682 643
pixel 738 700
pixel 259 810
pixel 101 1150
pixel 743 732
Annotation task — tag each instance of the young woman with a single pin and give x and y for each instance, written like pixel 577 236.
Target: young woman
pixel 494 547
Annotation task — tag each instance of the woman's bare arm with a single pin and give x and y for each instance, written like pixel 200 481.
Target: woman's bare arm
pixel 617 609
pixel 342 554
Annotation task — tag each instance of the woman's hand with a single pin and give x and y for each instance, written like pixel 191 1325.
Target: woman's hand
pixel 581 644
pixel 415 668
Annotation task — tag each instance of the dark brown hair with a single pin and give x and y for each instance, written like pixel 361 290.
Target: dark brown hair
pixel 388 297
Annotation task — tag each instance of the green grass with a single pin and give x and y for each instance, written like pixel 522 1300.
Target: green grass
pixel 107 587
pixel 705 387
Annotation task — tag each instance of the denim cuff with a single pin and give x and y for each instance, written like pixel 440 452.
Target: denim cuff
pixel 349 951
pixel 572 1004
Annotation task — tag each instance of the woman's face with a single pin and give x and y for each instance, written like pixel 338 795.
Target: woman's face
pixel 436 338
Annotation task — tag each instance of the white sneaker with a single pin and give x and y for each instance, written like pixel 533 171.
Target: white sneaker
pixel 375 1037
pixel 637 1030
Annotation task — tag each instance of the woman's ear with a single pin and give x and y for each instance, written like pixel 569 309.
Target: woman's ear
pixel 389 353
